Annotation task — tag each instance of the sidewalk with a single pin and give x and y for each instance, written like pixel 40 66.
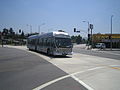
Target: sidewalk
pixel 83 46
pixel 106 49
pixel 12 46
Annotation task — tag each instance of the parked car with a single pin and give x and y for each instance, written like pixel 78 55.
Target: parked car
pixel 100 45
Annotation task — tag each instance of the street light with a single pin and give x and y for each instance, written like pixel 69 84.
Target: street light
pixel 111 33
pixel 88 33
pixel 39 27
pixel 30 28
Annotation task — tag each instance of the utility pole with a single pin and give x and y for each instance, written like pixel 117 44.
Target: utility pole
pixel 39 29
pixel 30 28
pixel 39 26
pixel 111 33
pixel 91 27
pixel 88 32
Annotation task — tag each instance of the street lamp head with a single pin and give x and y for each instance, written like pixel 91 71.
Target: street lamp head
pixel 84 21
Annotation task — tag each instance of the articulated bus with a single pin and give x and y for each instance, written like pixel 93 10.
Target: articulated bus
pixel 53 43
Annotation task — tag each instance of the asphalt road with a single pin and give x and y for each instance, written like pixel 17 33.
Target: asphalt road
pixel 21 70
pixel 106 54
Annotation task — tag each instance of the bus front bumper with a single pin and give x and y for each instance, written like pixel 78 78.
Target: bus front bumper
pixel 58 53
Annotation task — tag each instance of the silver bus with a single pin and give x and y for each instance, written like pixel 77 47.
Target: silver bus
pixel 53 43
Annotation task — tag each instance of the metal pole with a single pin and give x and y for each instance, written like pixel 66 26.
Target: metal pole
pixel 31 28
pixel 39 29
pixel 91 40
pixel 88 34
pixel 111 34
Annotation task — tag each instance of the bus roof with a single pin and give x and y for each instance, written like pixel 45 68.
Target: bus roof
pixel 50 34
pixel 33 36
pixel 55 34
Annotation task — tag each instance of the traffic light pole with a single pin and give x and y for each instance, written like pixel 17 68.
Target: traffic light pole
pixel 91 40
pixel 111 34
pixel 91 27
pixel 88 35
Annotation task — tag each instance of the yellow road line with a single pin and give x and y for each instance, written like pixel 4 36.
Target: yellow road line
pixel 115 68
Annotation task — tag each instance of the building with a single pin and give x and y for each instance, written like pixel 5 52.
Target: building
pixel 106 38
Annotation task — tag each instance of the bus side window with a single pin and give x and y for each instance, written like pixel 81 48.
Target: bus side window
pixel 52 42
pixel 37 41
pixel 44 42
pixel 28 41
pixel 31 41
pixel 40 41
pixel 48 42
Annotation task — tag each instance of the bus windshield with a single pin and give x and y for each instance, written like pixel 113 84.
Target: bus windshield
pixel 63 42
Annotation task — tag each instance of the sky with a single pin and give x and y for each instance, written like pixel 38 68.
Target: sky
pixel 52 15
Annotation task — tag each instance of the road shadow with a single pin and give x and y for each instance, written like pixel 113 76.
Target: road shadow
pixel 51 56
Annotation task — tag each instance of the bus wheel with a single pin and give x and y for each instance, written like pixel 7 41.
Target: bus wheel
pixel 64 55
pixel 48 52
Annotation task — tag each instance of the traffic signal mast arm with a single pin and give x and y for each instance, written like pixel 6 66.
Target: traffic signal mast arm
pixel 76 30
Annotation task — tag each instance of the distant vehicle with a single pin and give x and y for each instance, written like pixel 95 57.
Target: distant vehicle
pixel 53 43
pixel 100 45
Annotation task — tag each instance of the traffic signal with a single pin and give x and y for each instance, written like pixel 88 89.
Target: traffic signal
pixel 74 29
pixel 78 31
pixel 19 30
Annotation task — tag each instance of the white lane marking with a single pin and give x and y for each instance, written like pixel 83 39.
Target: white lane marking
pixel 82 83
pixel 66 76
pixel 51 82
pixel 71 75
pixel 91 69
pixel 95 68
pixel 114 65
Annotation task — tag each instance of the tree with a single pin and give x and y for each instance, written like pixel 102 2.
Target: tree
pixel 19 30
pixel 73 39
pixel 79 39
pixel 5 31
pixel 22 35
pixel 11 31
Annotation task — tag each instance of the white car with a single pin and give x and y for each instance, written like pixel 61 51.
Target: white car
pixel 100 45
